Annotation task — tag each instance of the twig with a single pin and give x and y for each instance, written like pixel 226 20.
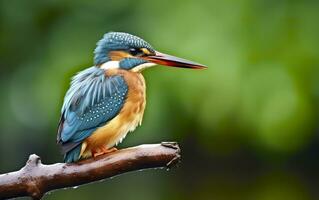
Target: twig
pixel 35 178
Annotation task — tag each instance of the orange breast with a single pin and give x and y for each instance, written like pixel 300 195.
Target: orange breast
pixel 128 118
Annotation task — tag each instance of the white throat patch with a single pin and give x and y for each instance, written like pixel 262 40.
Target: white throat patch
pixel 143 66
pixel 116 64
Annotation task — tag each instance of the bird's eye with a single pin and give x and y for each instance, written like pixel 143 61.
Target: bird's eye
pixel 135 52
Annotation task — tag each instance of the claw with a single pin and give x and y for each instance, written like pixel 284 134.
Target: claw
pixel 102 150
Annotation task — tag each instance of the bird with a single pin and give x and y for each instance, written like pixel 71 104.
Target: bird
pixel 107 100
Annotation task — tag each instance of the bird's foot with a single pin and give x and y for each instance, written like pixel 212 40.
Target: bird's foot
pixel 106 150
pixel 102 151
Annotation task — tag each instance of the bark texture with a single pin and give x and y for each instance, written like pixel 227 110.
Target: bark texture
pixel 35 178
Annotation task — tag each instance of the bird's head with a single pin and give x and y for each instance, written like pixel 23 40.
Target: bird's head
pixel 129 52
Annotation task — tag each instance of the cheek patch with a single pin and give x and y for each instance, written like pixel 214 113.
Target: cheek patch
pixel 118 55
pixel 129 63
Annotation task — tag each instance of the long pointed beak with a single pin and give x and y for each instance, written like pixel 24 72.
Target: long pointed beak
pixel 168 60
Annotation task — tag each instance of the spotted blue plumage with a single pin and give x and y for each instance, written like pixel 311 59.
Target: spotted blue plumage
pixel 92 100
pixel 117 41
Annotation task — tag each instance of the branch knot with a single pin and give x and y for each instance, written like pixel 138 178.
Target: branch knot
pixel 33 160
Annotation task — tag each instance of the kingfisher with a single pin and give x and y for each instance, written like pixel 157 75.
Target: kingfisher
pixel 107 101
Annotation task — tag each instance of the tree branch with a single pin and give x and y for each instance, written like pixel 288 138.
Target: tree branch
pixel 35 178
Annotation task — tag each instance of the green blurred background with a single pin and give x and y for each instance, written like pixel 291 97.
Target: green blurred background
pixel 248 126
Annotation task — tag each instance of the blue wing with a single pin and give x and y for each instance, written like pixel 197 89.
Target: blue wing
pixel 92 100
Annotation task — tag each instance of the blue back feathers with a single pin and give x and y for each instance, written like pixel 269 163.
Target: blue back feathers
pixel 117 41
pixel 92 100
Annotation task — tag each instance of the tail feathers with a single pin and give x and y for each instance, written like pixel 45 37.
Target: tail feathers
pixel 73 155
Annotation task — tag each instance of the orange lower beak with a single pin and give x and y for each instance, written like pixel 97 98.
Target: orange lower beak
pixel 168 60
